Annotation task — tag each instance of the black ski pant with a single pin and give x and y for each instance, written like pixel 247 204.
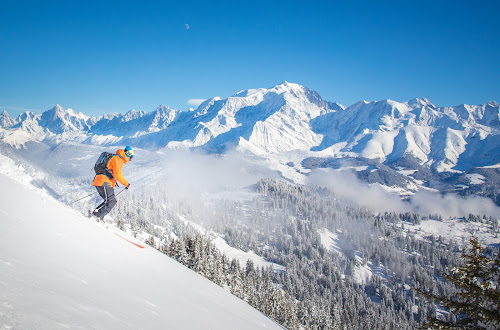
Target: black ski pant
pixel 108 194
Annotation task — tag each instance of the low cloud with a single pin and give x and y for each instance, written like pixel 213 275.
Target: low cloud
pixel 453 205
pixel 195 102
pixel 190 173
pixel 378 199
pixel 347 185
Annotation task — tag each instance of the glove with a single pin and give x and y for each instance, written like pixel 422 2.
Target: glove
pixel 127 187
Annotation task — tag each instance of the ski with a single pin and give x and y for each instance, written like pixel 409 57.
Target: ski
pixel 138 245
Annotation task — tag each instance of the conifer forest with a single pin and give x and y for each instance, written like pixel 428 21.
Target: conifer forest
pixel 321 287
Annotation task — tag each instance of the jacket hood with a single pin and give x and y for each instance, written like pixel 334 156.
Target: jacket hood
pixel 121 153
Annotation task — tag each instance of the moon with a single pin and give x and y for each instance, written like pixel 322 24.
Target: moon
pixel 187 26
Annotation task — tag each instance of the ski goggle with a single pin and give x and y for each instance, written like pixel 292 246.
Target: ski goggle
pixel 129 154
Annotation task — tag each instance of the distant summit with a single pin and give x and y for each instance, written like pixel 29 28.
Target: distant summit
pixel 59 120
pixel 5 120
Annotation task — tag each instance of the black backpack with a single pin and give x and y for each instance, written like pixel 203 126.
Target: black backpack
pixel 101 165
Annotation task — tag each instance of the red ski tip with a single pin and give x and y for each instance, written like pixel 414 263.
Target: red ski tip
pixel 138 245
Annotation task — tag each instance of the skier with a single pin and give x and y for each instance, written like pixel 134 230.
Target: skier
pixel 111 165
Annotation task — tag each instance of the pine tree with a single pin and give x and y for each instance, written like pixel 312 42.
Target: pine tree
pixel 120 225
pixel 151 241
pixel 477 280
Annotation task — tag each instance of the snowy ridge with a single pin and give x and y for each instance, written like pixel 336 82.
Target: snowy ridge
pixel 389 130
pixel 5 120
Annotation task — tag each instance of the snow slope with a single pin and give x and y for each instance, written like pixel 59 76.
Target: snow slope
pixel 58 269
pixel 337 243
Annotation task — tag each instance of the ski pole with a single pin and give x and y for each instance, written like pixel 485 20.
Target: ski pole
pixel 84 197
pixel 121 191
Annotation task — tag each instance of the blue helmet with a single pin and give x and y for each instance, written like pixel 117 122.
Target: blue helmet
pixel 129 152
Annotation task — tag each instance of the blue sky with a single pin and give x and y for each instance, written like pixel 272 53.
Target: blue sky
pixel 103 57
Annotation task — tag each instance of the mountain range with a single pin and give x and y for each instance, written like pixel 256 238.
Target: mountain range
pixel 410 144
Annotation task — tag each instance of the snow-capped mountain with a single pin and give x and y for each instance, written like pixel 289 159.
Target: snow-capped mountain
pixel 439 137
pixel 6 120
pixel 111 129
pixel 135 122
pixel 59 120
pixel 413 140
pixel 261 121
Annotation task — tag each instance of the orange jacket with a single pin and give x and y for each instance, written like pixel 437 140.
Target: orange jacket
pixel 115 165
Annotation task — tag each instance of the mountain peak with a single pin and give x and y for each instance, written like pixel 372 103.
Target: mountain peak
pixel 203 107
pixel 133 114
pixel 57 109
pixel 65 114
pixel 281 88
pixel 163 107
pixel 5 120
pixel 421 102
pixel 288 86
pixel 58 120
pixel 27 115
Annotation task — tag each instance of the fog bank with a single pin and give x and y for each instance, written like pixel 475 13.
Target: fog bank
pixel 374 197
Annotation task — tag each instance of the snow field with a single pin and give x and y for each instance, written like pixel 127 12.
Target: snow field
pixel 59 269
pixel 336 243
